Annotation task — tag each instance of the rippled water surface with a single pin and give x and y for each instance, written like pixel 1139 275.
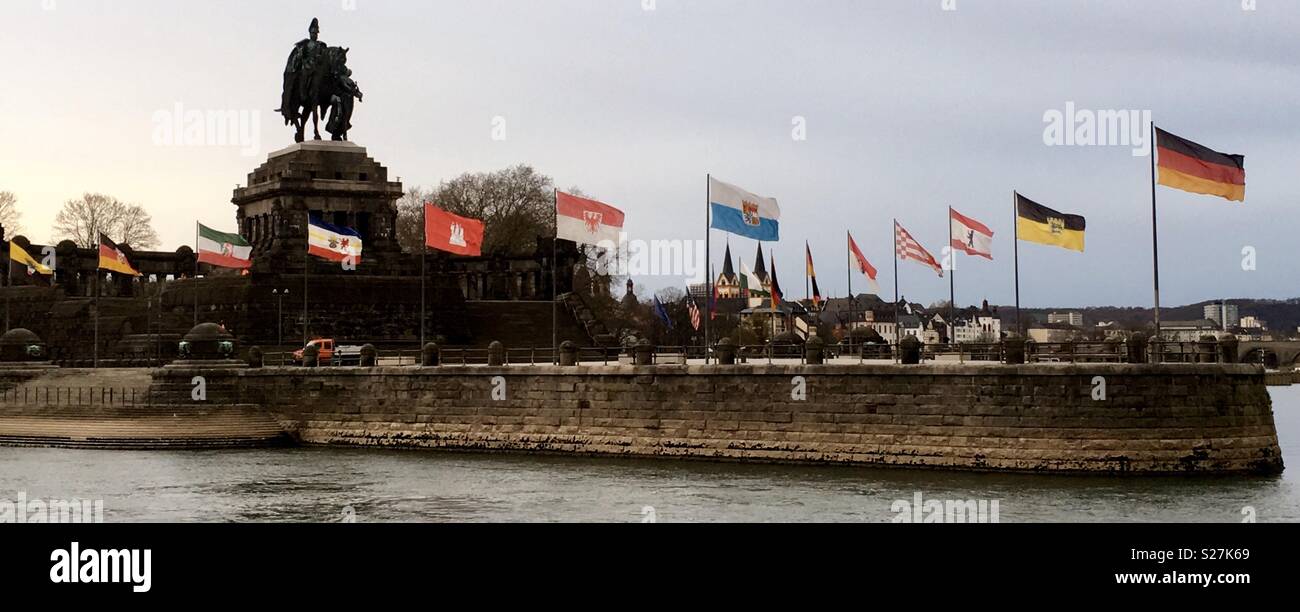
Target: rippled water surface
pixel 326 484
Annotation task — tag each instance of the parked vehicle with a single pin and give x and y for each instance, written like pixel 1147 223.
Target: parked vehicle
pixel 346 356
pixel 328 353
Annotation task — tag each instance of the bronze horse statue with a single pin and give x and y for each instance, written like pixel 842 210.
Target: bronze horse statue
pixel 316 80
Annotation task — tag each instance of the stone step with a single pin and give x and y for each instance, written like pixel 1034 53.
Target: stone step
pixel 150 427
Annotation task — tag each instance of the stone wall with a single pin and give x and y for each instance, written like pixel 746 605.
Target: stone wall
pixel 1040 418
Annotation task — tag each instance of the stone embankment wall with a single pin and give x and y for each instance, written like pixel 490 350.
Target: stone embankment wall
pixel 1039 418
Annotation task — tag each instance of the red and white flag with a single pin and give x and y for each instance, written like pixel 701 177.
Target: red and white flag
pixel 864 266
pixel 586 221
pixel 907 247
pixel 694 310
pixel 452 233
pixel 970 236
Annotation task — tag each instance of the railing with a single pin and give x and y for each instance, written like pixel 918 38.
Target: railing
pixel 1034 352
pixel 75 396
pixel 65 359
pixel 1162 351
pixel 1076 352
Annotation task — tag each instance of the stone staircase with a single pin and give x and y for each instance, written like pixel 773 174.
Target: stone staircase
pixel 581 311
pixel 140 427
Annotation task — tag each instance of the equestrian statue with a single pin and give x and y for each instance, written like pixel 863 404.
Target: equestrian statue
pixel 316 80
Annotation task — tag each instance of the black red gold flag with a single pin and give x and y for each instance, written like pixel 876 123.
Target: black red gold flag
pixel 1191 167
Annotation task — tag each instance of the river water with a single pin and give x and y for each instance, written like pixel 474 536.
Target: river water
pixel 328 484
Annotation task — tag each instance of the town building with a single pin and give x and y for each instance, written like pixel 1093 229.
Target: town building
pixel 728 282
pixel 1061 333
pixel 1224 314
pixel 979 327
pixel 1253 322
pixel 1074 319
pixel 1187 331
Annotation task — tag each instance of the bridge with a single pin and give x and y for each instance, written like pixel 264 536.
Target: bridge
pixel 1273 355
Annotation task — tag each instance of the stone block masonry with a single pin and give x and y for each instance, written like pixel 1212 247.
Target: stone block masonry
pixel 1042 418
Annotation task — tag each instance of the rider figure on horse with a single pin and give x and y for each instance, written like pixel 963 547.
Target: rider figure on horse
pixel 304 76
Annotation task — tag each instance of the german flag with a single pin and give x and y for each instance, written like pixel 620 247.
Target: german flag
pixel 112 258
pixel 812 275
pixel 776 287
pixel 1038 223
pixel 1191 167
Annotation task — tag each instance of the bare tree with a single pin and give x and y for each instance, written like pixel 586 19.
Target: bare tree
pixel 135 227
pixel 83 220
pixel 9 214
pixel 515 205
pixel 410 234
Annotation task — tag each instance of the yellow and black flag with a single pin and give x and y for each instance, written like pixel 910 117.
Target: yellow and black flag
pixel 1038 223
pixel 1195 168
pixel 19 256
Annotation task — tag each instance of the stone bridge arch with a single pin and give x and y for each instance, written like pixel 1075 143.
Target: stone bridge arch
pixel 1272 354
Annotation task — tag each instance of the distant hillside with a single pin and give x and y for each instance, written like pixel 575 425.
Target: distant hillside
pixel 1282 316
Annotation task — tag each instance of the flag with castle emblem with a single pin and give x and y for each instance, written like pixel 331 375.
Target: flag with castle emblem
pixel 333 242
pixel 223 250
pixel 734 210
pixel 586 221
pixel 112 258
pixel 452 233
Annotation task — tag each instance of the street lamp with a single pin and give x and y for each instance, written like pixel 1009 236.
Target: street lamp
pixel 279 316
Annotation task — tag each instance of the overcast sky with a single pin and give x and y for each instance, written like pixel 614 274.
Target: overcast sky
pixel 909 109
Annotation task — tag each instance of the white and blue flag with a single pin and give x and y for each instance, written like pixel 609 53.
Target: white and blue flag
pixel 742 213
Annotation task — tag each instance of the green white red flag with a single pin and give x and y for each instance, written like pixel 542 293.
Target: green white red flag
pixel 223 250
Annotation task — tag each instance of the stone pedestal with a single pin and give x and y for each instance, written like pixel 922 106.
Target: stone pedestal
pixel 207 372
pixel 337 181
pixel 22 346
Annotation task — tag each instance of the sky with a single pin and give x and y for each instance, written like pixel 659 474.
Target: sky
pixel 851 113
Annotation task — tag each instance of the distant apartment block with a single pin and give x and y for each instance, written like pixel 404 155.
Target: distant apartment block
pixel 1225 315
pixel 1068 318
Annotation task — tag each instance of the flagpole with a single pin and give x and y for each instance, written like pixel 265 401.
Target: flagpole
pixel 708 255
pixel 306 269
pixel 848 269
pixel 771 297
pixel 196 273
pixel 95 351
pixel 555 272
pixel 1155 245
pixel 897 339
pixel 424 254
pixel 1015 225
pixel 807 255
pixel 952 280
pixel 9 282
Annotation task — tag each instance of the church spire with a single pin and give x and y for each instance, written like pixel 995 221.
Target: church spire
pixel 760 269
pixel 728 271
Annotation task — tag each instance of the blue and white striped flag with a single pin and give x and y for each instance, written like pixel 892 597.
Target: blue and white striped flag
pixel 742 213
